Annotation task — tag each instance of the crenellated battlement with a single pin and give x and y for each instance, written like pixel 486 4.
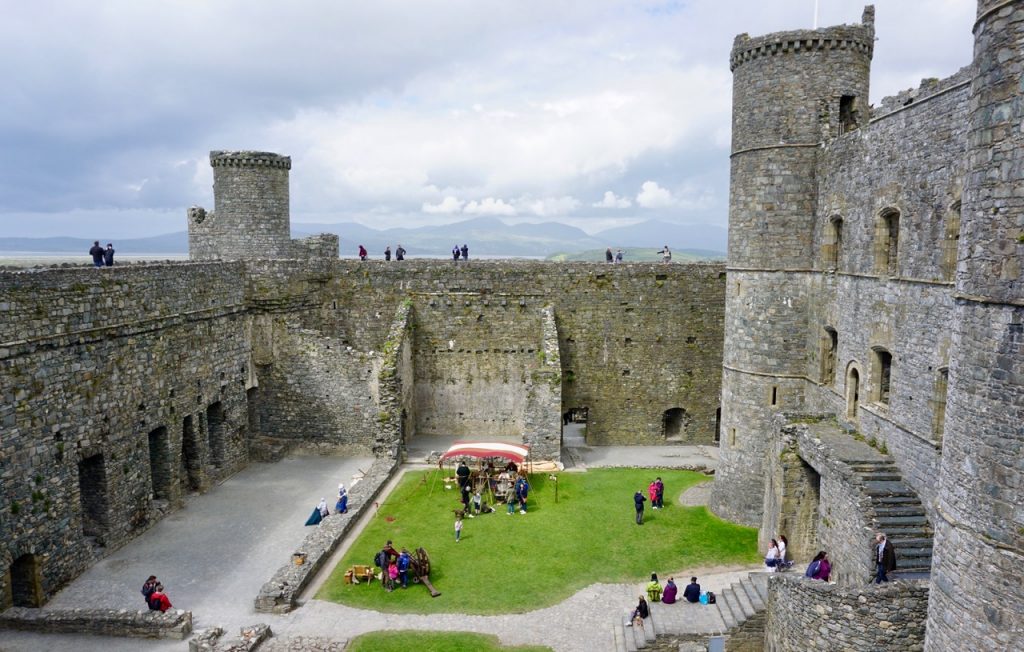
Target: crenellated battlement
pixel 858 38
pixel 250 159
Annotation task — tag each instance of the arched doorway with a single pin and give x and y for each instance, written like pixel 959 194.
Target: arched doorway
pixel 852 392
pixel 675 424
pixel 574 427
pixel 26 583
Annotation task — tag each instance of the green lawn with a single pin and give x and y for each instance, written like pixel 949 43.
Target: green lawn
pixel 513 564
pixel 433 642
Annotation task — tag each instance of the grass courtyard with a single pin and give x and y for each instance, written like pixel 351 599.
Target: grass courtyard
pixel 433 642
pixel 513 564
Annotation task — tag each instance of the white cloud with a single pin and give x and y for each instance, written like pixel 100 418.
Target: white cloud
pixel 489 206
pixel 610 200
pixel 654 196
pixel 446 206
pixel 550 206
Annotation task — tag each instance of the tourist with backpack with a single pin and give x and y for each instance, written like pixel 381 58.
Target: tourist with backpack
pixel 819 568
pixel 148 587
pixel 158 599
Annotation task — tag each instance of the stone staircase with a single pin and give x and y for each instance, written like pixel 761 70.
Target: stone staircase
pixel 735 605
pixel 898 513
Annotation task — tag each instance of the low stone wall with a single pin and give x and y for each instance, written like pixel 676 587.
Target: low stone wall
pixel 278 595
pixel 808 614
pixel 173 623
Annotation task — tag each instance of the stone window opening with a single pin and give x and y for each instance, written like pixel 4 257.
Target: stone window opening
pixel 833 243
pixel 160 463
pixel 732 437
pixel 852 392
pixel 252 412
pixel 829 348
pixel 887 242
pixel 847 113
pixel 215 433
pixel 939 403
pixel 775 395
pixel 882 372
pixel 718 425
pixel 951 241
pixel 191 465
pixel 25 582
pixel 675 424
pixel 92 488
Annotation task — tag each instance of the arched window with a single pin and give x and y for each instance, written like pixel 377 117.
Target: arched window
pixel 829 346
pixel 939 403
pixel 951 241
pixel 852 391
pixel 887 242
pixel 881 372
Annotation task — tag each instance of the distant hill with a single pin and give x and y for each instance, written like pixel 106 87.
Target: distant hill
pixel 677 236
pixel 484 235
pixel 640 255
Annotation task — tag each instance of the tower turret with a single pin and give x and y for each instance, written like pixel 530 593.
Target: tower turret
pixel 791 91
pixel 250 218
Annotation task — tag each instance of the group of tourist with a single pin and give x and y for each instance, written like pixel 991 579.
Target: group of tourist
pixel 321 511
pixel 609 257
pixel 399 253
pixel 666 595
pixel 102 257
pixel 153 594
pixel 656 492
pixel 458 252
pixel 820 568
pixel 394 567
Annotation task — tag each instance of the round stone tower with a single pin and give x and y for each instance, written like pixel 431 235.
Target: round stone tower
pixel 977 587
pixel 250 217
pixel 791 91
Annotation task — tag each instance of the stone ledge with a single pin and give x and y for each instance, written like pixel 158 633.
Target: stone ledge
pixel 174 623
pixel 278 595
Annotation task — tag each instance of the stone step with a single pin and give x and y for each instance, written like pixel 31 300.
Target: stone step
pixel 910 574
pixel 727 606
pixel 760 583
pixel 752 595
pixel 896 500
pixel 909 542
pixel 905 509
pixel 648 629
pixel 881 475
pixel 657 622
pixel 619 638
pixel 740 595
pixel 912 553
pixel 887 488
pixel 873 466
pixel 885 522
pixel 639 638
pixel 911 531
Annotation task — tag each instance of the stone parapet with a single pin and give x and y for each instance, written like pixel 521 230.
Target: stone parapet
pixel 173 623
pixel 220 158
pixel 806 614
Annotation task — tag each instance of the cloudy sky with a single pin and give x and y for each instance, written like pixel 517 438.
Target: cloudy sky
pixel 589 112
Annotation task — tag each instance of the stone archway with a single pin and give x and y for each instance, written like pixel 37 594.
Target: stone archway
pixel 675 424
pixel 26 582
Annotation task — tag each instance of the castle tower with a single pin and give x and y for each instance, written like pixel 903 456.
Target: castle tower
pixel 791 91
pixel 250 218
pixel 976 594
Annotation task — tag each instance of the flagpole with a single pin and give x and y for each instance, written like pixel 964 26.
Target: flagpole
pixel 815 14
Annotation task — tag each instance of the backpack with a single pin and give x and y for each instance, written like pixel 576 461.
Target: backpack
pixel 812 569
pixel 711 597
pixel 381 559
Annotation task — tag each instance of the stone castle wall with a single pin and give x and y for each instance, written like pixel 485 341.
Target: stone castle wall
pixel 124 389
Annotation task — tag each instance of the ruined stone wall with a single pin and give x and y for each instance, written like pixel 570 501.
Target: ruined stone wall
pixel 635 340
pixel 806 614
pixel 123 389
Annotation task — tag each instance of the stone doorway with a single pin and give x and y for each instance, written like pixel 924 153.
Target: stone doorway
pixel 852 392
pixel 160 463
pixel 215 433
pixel 191 465
pixel 26 582
pixel 92 487
pixel 675 424
pixel 574 427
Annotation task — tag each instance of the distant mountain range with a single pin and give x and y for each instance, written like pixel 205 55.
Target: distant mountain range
pixel 484 235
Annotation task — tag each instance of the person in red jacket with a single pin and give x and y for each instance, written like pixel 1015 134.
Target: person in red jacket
pixel 158 599
pixel 362 252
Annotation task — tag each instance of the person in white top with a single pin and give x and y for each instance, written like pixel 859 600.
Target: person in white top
pixel 771 558
pixel 783 564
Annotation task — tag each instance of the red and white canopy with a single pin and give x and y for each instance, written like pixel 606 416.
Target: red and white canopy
pixel 515 452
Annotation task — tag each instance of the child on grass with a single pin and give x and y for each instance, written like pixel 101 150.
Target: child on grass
pixel 392 574
pixel 458 528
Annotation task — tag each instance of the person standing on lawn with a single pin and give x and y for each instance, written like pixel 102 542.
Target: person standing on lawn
pixel 458 528
pixel 638 503
pixel 404 561
pixel 659 488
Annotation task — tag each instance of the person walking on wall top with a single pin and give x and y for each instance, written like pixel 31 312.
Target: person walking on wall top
pixel 387 253
pixel 108 255
pixel 465 252
pixel 362 252
pixel 608 256
pixel 400 253
pixel 97 254
pixel 618 256
pixel 456 252
pixel 885 558
pixel 666 254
